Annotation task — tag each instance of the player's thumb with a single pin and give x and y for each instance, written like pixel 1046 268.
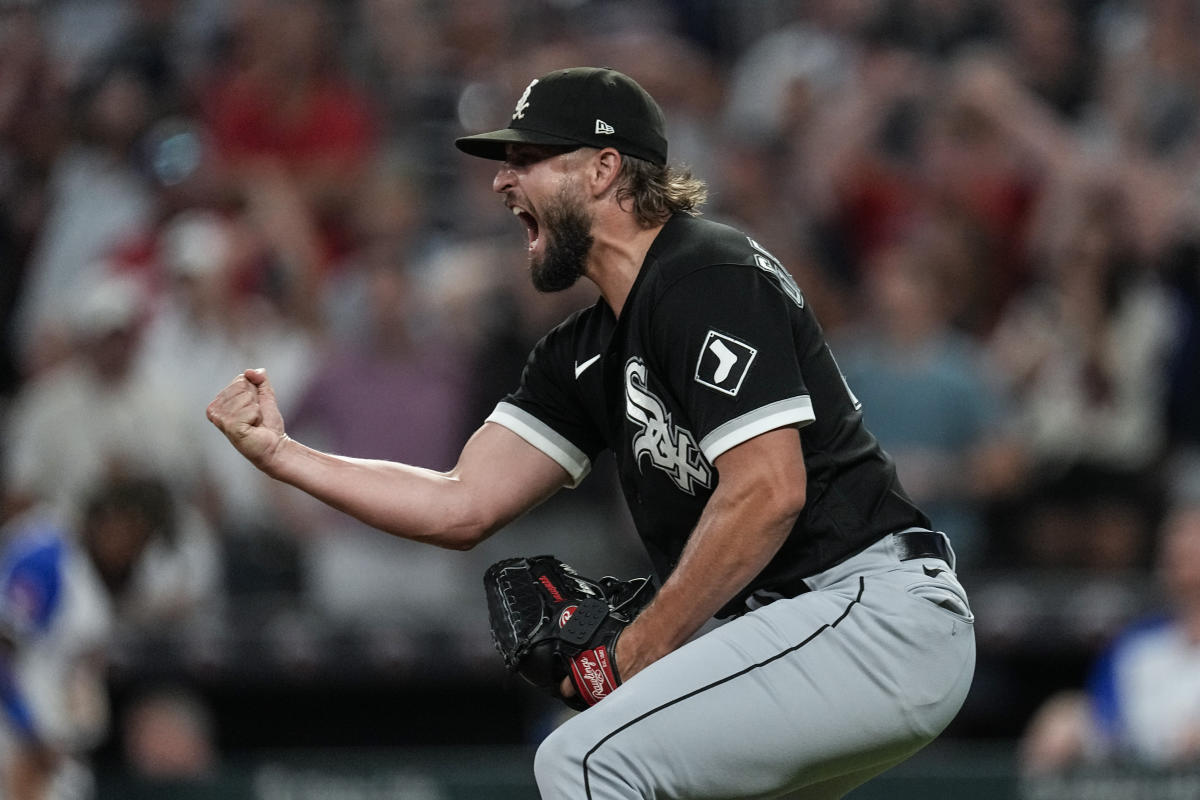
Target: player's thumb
pixel 257 376
pixel 266 397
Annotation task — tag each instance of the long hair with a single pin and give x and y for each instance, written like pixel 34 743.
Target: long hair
pixel 657 192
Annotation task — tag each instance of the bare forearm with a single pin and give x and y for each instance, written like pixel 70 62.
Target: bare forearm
pixel 406 501
pixel 499 475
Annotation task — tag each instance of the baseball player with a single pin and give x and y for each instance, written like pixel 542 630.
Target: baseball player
pixel 56 618
pixel 759 494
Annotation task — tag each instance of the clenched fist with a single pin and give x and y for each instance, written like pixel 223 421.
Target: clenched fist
pixel 246 412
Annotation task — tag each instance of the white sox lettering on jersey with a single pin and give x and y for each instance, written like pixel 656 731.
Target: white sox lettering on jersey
pixel 670 448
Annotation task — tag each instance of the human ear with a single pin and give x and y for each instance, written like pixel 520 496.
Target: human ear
pixel 604 169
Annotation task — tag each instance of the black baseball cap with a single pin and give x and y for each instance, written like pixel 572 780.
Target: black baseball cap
pixel 580 106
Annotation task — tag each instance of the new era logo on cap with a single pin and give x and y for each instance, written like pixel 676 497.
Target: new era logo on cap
pixel 604 127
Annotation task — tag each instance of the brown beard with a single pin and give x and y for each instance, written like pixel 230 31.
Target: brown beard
pixel 568 229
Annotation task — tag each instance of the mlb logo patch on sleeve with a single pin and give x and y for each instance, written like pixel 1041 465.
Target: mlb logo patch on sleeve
pixel 724 362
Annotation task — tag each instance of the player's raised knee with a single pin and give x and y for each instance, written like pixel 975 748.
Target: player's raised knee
pixel 569 765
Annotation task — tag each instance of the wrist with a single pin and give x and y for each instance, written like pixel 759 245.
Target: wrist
pixel 272 461
pixel 632 652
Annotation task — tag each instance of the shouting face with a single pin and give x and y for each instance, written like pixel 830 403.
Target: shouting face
pixel 542 192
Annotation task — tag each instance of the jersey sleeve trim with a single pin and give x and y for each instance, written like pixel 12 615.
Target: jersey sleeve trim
pixel 790 411
pixel 544 438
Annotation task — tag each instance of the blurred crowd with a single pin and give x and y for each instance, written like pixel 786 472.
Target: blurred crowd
pixel 992 205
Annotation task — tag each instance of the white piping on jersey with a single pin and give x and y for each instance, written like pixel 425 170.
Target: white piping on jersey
pixel 544 438
pixel 791 411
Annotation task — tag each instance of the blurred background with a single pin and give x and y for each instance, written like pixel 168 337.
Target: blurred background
pixel 991 204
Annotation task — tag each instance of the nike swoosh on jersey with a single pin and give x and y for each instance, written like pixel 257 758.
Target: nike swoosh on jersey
pixel 579 368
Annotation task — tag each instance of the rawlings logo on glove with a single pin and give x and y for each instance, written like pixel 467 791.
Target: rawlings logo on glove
pixel 593 675
pixel 549 622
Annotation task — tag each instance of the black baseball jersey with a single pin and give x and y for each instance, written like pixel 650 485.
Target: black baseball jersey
pixel 715 345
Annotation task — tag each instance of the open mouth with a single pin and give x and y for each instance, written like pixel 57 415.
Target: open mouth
pixel 531 225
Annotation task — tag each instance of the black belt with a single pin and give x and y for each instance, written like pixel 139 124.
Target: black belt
pixel 909 545
pixel 923 544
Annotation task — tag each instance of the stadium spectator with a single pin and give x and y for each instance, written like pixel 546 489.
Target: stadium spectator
pixel 154 554
pixel 56 619
pixel 64 593
pixel 1142 699
pixel 98 196
pixel 1149 74
pixel 927 393
pixel 1085 352
pixel 1084 345
pixel 85 420
pixel 285 114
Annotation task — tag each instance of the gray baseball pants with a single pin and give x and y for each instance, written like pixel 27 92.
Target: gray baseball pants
pixel 808 696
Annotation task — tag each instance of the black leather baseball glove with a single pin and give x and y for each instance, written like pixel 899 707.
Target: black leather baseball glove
pixel 549 622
